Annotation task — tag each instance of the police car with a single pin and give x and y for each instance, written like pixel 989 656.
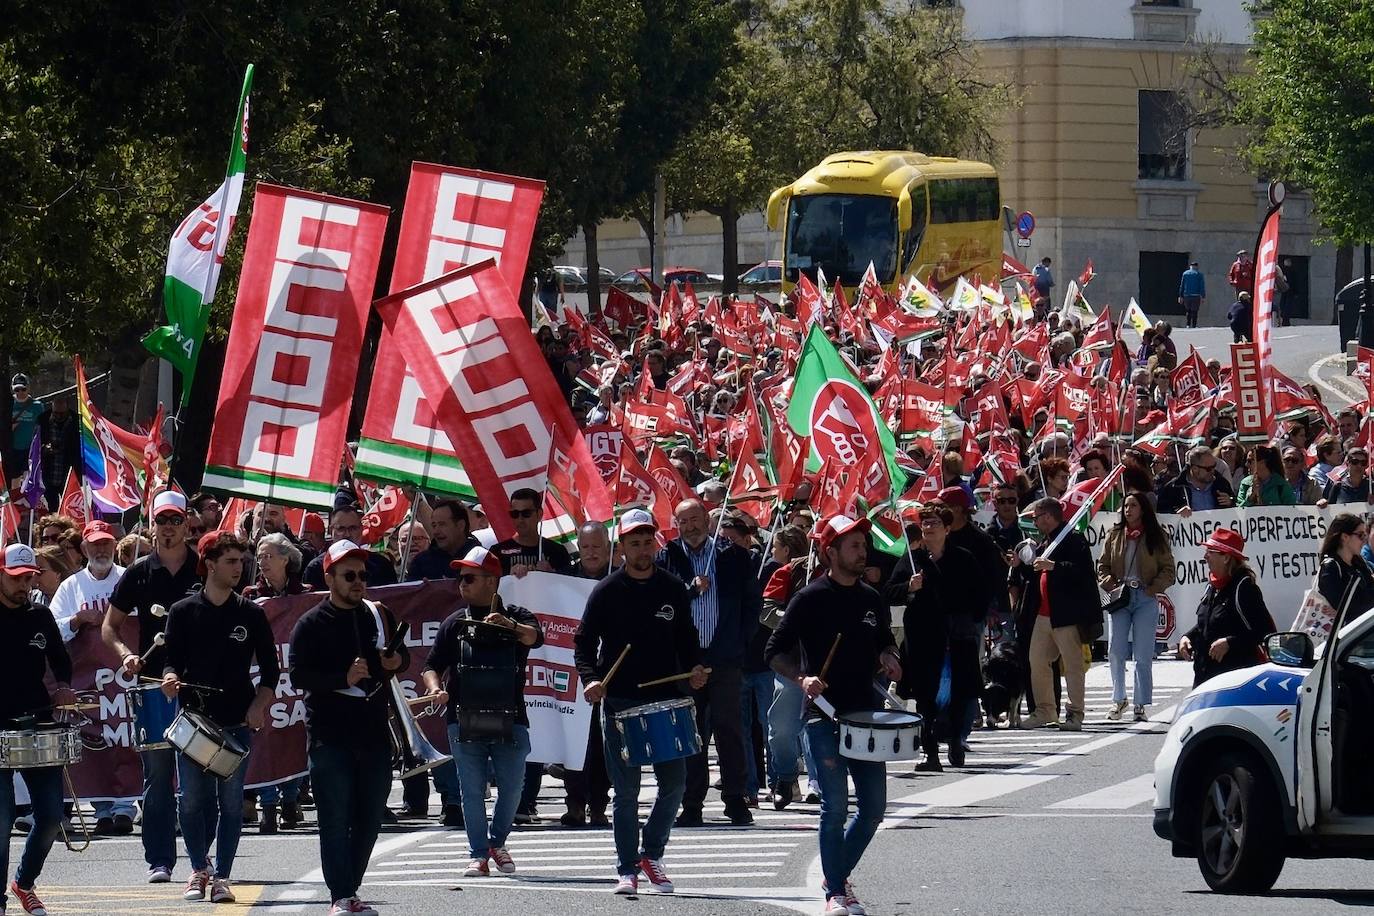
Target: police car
pixel 1274 761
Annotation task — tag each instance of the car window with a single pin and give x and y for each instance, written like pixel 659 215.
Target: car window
pixel 1360 652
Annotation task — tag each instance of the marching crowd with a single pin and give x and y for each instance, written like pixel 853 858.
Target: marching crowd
pixel 762 611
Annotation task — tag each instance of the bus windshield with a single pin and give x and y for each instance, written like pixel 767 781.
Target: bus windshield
pixel 841 234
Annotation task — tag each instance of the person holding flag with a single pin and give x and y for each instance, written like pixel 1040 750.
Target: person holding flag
pixel 1063 591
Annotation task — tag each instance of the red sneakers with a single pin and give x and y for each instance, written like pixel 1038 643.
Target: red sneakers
pixel 504 863
pixel 28 900
pixel 653 870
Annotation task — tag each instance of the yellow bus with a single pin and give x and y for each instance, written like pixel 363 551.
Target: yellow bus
pixel 908 213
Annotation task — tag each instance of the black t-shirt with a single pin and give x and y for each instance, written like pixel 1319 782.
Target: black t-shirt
pixel 29 645
pixel 467 688
pixel 146 583
pixel 214 646
pixel 812 619
pixel 654 617
pixel 513 553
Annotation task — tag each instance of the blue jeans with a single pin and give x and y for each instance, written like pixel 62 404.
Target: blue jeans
pixel 211 807
pixel 507 759
pixel 111 808
pixel 1133 633
pixel 351 786
pixel 672 785
pixel 756 695
pixel 45 795
pixel 159 807
pixel 843 838
pixel 784 733
pixel 446 783
pixel 287 792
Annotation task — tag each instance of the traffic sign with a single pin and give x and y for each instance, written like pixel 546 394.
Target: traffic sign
pixel 1025 224
pixel 1023 243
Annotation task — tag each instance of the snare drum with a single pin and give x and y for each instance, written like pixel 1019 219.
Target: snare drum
pixel 658 732
pixel 206 743
pixel 880 735
pixel 49 746
pixel 153 714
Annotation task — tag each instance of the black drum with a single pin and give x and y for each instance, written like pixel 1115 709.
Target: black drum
pixel 488 684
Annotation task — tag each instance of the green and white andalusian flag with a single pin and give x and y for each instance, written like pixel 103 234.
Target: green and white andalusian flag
pixel 833 408
pixel 194 259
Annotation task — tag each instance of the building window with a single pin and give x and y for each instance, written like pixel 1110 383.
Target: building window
pixel 1159 275
pixel 1163 142
pixel 1161 2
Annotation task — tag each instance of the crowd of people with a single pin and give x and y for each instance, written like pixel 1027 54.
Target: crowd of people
pixel 767 617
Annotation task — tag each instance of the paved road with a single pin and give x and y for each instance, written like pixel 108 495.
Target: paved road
pixel 1038 822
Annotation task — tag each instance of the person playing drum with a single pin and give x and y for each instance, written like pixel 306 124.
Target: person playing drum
pixel 639 618
pixel 213 638
pixel 337 658
pixel 463 651
pixel 30 646
pixel 840 618
pixel 159 579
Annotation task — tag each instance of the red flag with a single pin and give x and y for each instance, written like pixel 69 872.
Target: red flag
pixel 73 504
pixel 1266 269
pixel 667 475
pixel 622 308
pixel 810 306
pixel 1103 334
pixel 471 350
pixel 1012 268
pixel 1087 275
pixel 390 509
pixel 635 486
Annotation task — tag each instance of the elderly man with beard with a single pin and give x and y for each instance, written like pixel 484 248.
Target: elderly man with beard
pixel 80 602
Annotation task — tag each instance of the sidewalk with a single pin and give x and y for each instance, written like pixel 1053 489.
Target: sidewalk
pixel 1169 672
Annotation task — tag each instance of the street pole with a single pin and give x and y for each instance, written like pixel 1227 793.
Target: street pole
pixel 1366 335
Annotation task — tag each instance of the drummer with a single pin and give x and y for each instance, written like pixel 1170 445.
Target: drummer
pixel 30 646
pixel 163 577
pixel 648 610
pixel 213 639
pixel 839 603
pixel 506 647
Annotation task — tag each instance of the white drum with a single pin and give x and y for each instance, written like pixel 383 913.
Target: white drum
pixel 199 738
pixel 880 735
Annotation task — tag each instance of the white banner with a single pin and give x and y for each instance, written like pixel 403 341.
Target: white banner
pixel 1281 543
pixel 559 718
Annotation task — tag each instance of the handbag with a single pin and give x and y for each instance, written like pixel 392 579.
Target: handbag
pixel 1117 599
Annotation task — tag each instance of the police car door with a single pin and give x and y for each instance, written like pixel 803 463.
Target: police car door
pixel 1351 643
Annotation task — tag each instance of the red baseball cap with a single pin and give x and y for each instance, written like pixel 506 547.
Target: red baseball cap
pixel 480 559
pixel 1227 541
pixel 954 496
pixel 838 526
pixel 97 531
pixel 312 522
pixel 342 550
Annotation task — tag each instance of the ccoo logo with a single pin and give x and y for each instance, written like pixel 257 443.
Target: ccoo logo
pixel 842 424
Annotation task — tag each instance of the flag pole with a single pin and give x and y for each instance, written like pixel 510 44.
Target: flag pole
pixel 410 532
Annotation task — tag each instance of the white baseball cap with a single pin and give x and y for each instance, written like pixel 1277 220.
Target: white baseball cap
pixel 634 520
pixel 20 559
pixel 169 499
pixel 342 550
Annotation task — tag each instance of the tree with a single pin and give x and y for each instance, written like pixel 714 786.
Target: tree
pixel 1306 102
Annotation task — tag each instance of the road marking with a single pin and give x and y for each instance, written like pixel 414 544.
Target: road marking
pixel 1314 373
pixel 314 880
pixel 1126 794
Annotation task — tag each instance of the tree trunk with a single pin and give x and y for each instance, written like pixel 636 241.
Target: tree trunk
pixel 729 249
pixel 593 269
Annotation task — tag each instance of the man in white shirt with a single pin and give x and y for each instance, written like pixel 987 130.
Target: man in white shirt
pixel 80 602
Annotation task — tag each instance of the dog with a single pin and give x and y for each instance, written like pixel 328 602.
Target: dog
pixel 1003 686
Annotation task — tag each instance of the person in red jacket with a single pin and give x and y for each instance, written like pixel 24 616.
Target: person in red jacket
pixel 1241 276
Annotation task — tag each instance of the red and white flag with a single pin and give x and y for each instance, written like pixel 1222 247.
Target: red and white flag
pixel 390 509
pixel 475 360
pixel 73 503
pixel 292 360
pixel 453 217
pixel 635 485
pixel 1266 268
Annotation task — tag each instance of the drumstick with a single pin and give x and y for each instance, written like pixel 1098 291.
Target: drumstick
pixel 68 707
pixel 158 680
pixel 672 677
pixel 616 667
pixel 831 657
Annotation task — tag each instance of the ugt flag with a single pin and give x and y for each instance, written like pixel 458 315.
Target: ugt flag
pixel 194 258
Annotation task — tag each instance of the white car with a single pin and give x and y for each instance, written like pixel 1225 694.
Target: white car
pixel 1273 761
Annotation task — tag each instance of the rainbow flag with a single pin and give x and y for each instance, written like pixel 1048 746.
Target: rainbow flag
pixel 113 460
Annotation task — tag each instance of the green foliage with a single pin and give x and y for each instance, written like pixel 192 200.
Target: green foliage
pixel 1307 110
pixel 115 122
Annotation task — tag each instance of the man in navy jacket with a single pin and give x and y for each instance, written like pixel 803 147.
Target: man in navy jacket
pixel 726 603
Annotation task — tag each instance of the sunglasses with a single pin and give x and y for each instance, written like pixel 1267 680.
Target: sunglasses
pixel 350 575
pixel 1005 500
pixel 523 513
pixel 169 520
pixel 469 578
